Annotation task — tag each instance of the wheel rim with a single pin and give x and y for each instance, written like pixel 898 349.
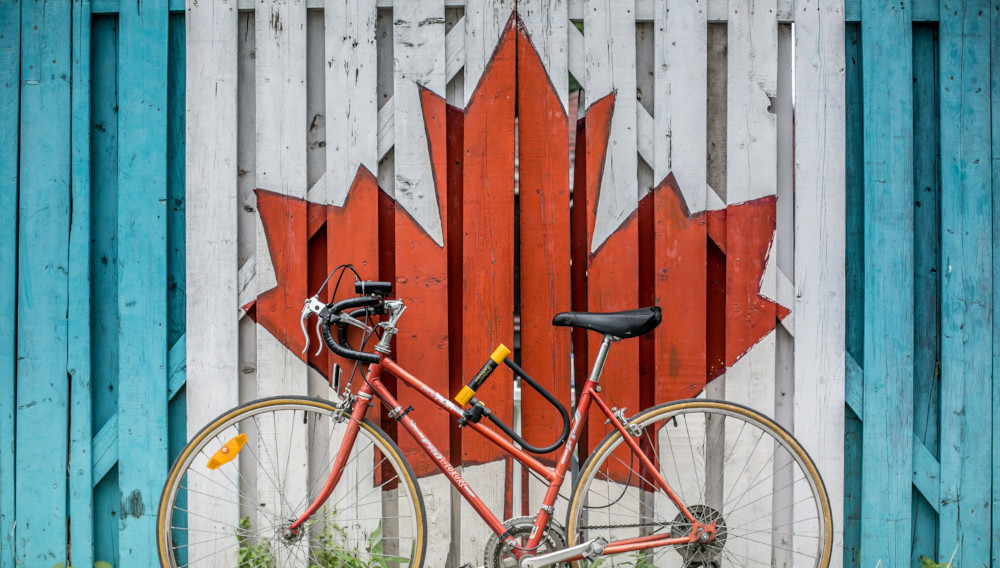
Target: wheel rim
pixel 240 513
pixel 718 458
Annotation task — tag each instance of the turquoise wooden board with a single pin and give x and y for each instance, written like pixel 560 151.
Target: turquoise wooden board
pixel 888 331
pixel 142 275
pixel 104 273
pixel 966 282
pixel 926 278
pixel 81 490
pixel 10 68
pixel 995 165
pixel 177 407
pixel 855 290
pixel 43 254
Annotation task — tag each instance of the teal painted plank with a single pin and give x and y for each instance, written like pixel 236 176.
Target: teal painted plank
pixel 111 6
pixel 855 257
pixel 926 479
pixel 926 277
pixel 995 89
pixel 43 255
pixel 142 274
pixel 854 392
pixel 81 491
pixel 966 282
pixel 10 69
pixel 852 490
pixel 177 406
pixel 105 449
pixel 923 10
pixel 104 273
pixel 887 424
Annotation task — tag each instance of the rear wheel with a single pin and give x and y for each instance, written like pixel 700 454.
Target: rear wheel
pixel 236 488
pixel 728 464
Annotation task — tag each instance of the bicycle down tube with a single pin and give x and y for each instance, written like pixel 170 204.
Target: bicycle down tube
pixel 554 477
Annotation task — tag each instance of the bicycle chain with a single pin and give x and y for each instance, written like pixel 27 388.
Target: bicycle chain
pixel 627 526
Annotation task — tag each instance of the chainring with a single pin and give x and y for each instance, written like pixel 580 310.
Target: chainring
pixel 520 528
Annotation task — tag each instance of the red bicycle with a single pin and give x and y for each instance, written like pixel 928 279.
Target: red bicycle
pixel 310 483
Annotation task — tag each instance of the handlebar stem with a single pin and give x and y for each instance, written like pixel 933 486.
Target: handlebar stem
pixel 396 309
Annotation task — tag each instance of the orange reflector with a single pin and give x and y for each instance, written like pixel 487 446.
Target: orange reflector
pixel 228 452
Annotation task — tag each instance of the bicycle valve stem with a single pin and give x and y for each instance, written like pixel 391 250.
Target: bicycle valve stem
pixel 468 391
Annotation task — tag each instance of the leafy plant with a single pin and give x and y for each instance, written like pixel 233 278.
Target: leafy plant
pixel 332 553
pixel 928 563
pixel 252 555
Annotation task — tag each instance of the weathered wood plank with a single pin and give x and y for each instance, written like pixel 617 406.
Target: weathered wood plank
pixel 543 153
pixel 420 265
pixel 995 164
pixel 351 98
pixel 104 272
pixel 142 275
pixel 751 171
pixel 966 281
pixel 42 266
pixel 10 88
pixel 352 151
pixel 921 10
pixel 819 243
pixel 211 236
pixel 488 244
pixel 81 491
pixel 927 280
pixel 281 241
pixel 888 283
pixel 611 187
pixel 680 172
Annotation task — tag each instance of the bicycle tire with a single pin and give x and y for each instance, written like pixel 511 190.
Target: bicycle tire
pixel 594 507
pixel 248 534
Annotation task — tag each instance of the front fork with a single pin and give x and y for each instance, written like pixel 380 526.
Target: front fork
pixel 337 469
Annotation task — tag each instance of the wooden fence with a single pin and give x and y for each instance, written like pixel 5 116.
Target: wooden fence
pixel 384 135
pixel 92 278
pixel 922 164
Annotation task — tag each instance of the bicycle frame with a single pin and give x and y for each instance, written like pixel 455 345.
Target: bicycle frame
pixel 554 476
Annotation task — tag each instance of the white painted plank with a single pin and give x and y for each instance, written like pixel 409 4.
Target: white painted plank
pixel 820 243
pixel 751 168
pixel 484 21
pixel 211 241
pixel 547 23
pixel 680 124
pixel 454 49
pixel 609 47
pixel 315 100
pixel 784 498
pixel 351 95
pixel 576 59
pixel 418 52
pixel 281 121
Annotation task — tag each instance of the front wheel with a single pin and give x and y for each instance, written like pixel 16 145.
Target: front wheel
pixel 240 483
pixel 727 464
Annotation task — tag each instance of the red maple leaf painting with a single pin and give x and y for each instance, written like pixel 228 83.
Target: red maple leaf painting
pixel 744 316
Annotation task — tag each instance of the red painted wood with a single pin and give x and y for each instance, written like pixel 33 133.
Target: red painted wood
pixel 749 316
pixel 284 220
pixel 454 228
pixel 421 270
pixel 612 274
pixel 488 243
pixel 352 238
pixel 680 284
pixel 578 270
pixel 543 150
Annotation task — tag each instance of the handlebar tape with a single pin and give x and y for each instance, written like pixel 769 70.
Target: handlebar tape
pixel 330 314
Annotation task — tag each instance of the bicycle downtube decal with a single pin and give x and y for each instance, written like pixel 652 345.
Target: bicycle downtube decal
pixel 227 452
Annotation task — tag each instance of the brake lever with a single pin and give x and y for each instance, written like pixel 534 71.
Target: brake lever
pixel 318 334
pixel 311 306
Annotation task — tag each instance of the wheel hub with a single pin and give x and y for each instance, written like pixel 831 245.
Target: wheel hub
pixel 706 551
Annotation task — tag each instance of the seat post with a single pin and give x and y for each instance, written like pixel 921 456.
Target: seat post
pixel 602 354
